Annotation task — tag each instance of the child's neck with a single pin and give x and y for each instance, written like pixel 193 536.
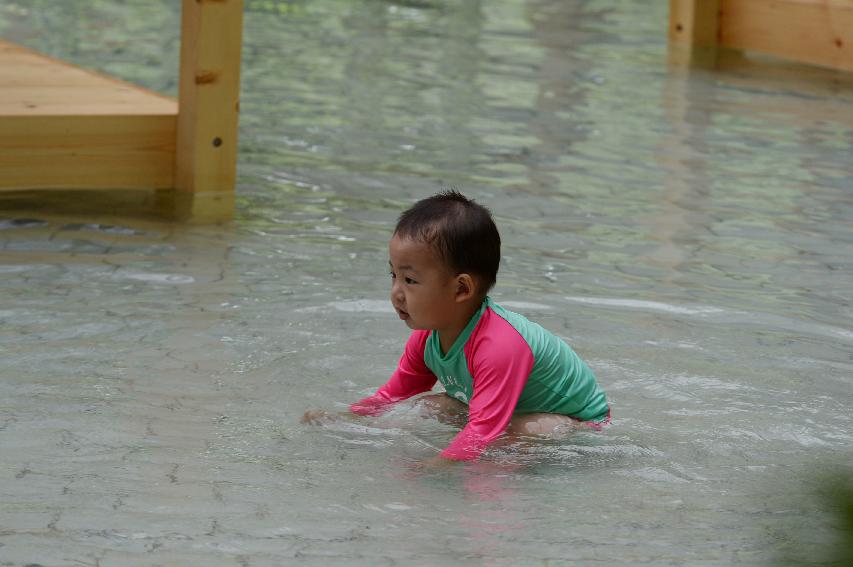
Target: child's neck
pixel 447 336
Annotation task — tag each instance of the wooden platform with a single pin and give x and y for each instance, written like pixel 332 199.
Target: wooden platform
pixel 818 32
pixel 65 127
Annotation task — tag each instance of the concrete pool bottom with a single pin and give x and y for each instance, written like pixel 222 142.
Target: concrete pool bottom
pixel 688 235
pixel 161 426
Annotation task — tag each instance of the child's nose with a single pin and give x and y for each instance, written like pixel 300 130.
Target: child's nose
pixel 396 289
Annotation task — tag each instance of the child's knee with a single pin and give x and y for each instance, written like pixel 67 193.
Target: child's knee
pixel 431 400
pixel 441 406
pixel 440 401
pixel 541 424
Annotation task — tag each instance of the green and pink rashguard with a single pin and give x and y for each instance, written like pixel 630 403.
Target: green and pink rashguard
pixel 501 364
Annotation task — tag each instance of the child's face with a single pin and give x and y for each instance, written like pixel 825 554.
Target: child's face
pixel 423 288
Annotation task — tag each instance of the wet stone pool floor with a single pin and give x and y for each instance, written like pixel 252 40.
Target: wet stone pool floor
pixel 690 234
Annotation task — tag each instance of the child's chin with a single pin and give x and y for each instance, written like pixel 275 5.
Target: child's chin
pixel 414 326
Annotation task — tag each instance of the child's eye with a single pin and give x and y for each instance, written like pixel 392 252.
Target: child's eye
pixel 407 280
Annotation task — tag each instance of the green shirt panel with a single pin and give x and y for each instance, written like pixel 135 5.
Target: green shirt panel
pixel 559 382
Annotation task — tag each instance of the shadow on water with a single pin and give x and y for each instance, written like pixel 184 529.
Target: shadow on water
pixel 833 497
pixel 120 205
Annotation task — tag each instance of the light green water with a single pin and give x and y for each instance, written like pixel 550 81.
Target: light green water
pixel 689 234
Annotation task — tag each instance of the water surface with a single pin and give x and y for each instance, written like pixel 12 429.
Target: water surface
pixel 688 233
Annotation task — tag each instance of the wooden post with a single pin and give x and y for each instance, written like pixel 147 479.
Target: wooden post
pixel 819 32
pixel 694 32
pixel 209 103
pixel 694 22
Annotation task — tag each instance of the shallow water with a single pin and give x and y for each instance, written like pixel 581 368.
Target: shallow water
pixel 689 234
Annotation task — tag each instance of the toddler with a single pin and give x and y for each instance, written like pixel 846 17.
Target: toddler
pixel 512 374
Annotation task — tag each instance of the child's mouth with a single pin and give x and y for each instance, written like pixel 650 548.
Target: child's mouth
pixel 402 314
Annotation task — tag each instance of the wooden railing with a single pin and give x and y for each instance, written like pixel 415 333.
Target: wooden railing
pixel 819 32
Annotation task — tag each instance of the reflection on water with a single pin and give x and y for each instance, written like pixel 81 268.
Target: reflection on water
pixel 688 233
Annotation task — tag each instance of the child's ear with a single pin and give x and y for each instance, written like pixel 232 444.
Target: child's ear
pixel 466 287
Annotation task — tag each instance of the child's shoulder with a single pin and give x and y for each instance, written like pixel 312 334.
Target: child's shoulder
pixel 531 331
pixel 511 317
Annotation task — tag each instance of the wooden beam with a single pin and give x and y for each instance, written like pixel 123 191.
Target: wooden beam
pixel 819 32
pixel 211 38
pixel 66 127
pixel 87 152
pixel 694 22
pixel 32 84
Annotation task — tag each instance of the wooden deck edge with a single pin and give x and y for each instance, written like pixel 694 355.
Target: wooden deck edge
pixel 87 152
pixel 7 47
pixel 817 32
pixel 54 134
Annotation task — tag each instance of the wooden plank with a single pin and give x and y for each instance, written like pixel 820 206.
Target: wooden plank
pixel 87 151
pixel 34 84
pixel 694 22
pixel 79 101
pixel 211 38
pixel 811 31
pixel 66 127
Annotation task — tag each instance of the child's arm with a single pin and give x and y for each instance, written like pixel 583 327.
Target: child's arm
pixel 411 377
pixel 500 364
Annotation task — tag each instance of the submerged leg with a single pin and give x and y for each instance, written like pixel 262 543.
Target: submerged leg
pixel 541 425
pixel 443 408
pixel 453 412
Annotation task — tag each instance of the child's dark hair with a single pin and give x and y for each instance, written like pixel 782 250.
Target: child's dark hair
pixel 461 230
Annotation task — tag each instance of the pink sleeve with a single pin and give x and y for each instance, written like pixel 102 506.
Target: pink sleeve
pixel 411 377
pixel 500 361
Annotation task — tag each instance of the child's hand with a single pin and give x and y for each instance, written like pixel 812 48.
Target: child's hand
pixel 318 417
pixel 436 462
